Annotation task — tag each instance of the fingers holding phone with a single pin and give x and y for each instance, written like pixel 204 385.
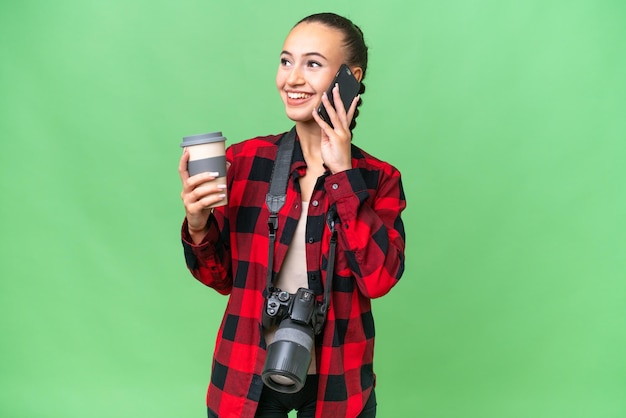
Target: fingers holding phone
pixel 343 90
pixel 342 114
pixel 336 140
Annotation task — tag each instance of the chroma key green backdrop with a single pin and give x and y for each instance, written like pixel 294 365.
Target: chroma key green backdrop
pixel 506 118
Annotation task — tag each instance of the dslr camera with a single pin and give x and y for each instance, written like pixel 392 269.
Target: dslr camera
pixel 299 317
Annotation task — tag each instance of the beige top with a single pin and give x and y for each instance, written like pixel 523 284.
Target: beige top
pixel 293 273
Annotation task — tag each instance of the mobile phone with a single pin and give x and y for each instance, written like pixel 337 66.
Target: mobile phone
pixel 348 89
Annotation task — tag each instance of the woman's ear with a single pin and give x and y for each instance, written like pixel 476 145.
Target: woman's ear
pixel 357 72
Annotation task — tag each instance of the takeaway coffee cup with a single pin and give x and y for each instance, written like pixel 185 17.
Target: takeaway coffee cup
pixel 207 154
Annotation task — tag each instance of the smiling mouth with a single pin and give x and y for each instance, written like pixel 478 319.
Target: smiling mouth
pixel 298 96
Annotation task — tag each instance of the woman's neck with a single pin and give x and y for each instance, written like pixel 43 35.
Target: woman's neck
pixel 310 136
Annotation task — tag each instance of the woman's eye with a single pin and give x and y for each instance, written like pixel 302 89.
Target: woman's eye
pixel 284 62
pixel 314 64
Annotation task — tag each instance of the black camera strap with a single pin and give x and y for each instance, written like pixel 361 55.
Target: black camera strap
pixel 330 269
pixel 275 199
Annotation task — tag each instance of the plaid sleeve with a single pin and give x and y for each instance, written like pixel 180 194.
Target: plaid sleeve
pixel 369 200
pixel 209 261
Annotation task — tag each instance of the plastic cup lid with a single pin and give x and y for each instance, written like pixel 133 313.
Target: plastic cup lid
pixel 202 139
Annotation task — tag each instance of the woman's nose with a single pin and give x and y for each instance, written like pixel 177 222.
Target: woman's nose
pixel 295 76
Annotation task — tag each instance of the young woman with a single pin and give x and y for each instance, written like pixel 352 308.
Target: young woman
pixel 227 248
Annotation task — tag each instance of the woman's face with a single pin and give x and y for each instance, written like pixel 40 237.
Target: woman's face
pixel 311 56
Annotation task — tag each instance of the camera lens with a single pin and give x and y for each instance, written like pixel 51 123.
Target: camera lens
pixel 288 357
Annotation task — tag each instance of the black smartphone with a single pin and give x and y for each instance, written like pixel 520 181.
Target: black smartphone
pixel 348 89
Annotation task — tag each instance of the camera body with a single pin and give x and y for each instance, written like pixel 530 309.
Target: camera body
pixel 299 316
pixel 300 307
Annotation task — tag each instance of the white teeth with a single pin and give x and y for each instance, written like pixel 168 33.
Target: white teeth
pixel 298 95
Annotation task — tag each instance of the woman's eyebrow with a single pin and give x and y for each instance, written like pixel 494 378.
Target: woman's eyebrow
pixel 308 54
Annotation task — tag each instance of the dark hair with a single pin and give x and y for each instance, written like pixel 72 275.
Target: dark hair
pixel 353 41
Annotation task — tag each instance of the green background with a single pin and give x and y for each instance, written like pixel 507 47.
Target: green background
pixel 506 118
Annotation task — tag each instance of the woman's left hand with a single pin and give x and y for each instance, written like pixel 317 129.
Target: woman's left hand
pixel 336 140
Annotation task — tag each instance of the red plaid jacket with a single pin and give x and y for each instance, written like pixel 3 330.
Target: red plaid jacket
pixel 232 259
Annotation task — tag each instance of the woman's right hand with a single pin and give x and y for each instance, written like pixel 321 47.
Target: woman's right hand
pixel 198 196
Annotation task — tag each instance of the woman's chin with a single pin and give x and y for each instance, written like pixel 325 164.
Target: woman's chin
pixel 300 115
